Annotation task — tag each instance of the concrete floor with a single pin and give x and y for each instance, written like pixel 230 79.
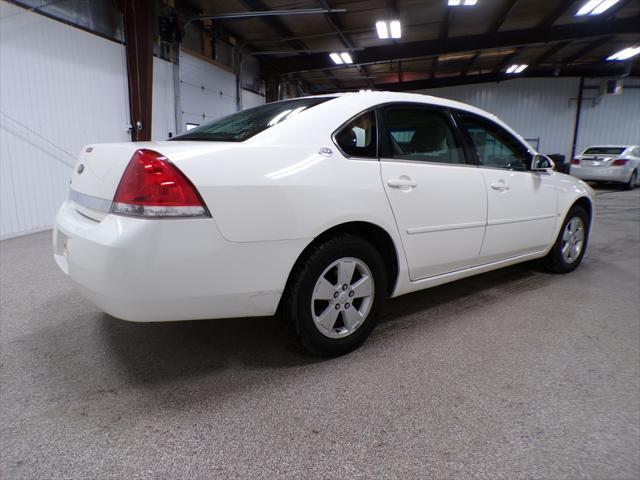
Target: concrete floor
pixel 513 374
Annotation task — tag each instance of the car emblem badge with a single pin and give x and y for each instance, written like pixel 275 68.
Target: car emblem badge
pixel 325 152
pixel 80 168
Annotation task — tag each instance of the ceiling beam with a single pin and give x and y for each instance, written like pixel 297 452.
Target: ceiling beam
pixel 467 67
pixel 550 52
pixel 610 71
pixel 502 15
pixel 281 30
pixel 505 39
pixel 586 49
pixel 553 16
pixel 446 23
pixel 334 22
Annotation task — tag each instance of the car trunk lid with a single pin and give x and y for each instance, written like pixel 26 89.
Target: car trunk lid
pixel 100 167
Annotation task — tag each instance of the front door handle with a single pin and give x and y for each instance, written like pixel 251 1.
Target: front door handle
pixel 500 186
pixel 403 182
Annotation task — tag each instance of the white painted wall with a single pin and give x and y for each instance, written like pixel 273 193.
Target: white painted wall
pixel 251 99
pixel 545 108
pixel 60 88
pixel 207 92
pixel 163 114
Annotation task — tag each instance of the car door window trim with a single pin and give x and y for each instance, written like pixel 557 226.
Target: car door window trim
pixel 383 137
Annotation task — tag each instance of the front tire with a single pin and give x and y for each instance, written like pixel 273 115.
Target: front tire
pixel 571 244
pixel 334 293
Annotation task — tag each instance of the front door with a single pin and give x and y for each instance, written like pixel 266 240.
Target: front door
pixel 438 199
pixel 522 204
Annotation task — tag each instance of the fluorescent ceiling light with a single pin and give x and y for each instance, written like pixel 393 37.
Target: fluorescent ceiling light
pixel 396 29
pixel 336 58
pixel 384 28
pixel 596 7
pixel 346 58
pixel 606 5
pixel 456 3
pixel 625 54
pixel 516 68
pixel 381 27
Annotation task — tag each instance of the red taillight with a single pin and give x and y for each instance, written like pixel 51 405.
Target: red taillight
pixel 619 163
pixel 575 161
pixel 151 186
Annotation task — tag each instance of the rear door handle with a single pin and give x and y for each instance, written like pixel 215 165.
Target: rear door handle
pixel 500 186
pixel 402 182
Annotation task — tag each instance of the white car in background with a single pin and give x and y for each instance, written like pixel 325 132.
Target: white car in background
pixel 316 207
pixel 608 163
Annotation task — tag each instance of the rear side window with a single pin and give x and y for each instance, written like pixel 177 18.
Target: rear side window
pixel 423 134
pixel 604 150
pixel 244 125
pixel 358 138
pixel 495 146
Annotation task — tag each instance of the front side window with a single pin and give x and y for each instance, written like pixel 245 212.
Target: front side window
pixel 241 126
pixel 495 146
pixel 358 138
pixel 417 133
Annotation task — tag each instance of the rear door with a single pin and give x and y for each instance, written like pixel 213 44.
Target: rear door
pixel 522 204
pixel 437 197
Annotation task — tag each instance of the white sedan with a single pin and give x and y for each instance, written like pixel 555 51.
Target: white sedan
pixel 608 163
pixel 316 207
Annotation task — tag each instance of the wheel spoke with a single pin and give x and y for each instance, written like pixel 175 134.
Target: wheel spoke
pixel 575 251
pixel 566 235
pixel 351 317
pixel 328 318
pixel 362 288
pixel 324 290
pixel 345 272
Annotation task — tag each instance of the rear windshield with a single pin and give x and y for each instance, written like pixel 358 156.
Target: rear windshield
pixel 243 125
pixel 604 150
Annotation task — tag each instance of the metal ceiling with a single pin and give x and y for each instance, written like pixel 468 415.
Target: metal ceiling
pixel 440 45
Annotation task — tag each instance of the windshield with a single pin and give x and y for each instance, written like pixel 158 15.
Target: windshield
pixel 604 150
pixel 240 126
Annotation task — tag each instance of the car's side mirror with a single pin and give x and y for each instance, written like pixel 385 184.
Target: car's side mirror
pixel 541 163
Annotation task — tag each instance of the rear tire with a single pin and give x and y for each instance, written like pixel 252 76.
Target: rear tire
pixel 630 185
pixel 571 244
pixel 333 295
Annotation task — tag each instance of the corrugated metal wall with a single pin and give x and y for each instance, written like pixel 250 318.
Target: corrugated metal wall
pixel 61 88
pixel 545 108
pixel 535 108
pixel 614 119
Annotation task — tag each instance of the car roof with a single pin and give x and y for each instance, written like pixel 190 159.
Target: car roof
pixel 611 146
pixel 380 96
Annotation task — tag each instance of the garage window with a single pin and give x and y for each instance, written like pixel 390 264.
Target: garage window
pixel 359 137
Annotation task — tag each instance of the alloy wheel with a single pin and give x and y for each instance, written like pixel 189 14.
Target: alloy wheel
pixel 342 297
pixel 572 240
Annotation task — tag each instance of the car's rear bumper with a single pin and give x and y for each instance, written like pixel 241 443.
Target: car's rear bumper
pixel 172 269
pixel 602 174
